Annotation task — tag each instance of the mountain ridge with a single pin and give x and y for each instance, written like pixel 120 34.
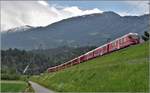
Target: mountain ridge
pixel 87 30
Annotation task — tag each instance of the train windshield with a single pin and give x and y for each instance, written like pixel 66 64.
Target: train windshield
pixel 134 36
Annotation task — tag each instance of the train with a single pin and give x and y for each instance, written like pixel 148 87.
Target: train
pixel 117 44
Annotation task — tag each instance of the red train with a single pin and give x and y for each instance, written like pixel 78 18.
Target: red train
pixel 119 43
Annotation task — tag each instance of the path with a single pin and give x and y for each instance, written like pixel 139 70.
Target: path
pixel 39 89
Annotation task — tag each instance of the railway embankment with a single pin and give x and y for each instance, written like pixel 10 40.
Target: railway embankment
pixel 126 70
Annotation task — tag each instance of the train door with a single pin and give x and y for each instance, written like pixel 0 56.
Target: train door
pixel 91 54
pixel 108 47
pixel 117 44
pixel 99 51
pixel 96 52
pixel 126 40
pixel 79 60
pixel 120 43
pixel 104 49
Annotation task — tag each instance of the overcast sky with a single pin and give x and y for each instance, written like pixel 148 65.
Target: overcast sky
pixel 42 13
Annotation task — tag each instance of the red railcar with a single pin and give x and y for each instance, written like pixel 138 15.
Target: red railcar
pixel 96 52
pixel 75 61
pixel 89 55
pixel 52 69
pixel 68 64
pixel 82 58
pixel 124 41
pixel 129 39
pixel 49 69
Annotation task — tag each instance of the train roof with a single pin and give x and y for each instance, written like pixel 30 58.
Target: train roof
pixel 130 34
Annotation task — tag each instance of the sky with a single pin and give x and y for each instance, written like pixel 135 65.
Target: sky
pixel 44 12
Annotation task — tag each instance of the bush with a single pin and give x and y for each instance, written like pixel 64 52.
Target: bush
pixel 10 77
pixel 146 35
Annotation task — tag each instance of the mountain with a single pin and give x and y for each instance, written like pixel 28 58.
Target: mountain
pixel 93 29
pixel 19 29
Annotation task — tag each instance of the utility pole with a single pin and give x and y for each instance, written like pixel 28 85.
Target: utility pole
pixel 26 68
pixel 149 16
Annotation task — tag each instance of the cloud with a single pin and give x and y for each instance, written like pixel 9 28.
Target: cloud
pixel 43 3
pixel 40 13
pixel 36 13
pixel 76 11
pixel 138 7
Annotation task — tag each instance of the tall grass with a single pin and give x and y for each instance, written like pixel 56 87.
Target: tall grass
pixel 125 70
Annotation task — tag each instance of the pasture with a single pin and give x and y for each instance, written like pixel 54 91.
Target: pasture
pixel 13 86
pixel 126 70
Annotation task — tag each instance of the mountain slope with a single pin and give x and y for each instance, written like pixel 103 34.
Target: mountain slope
pixel 21 28
pixel 94 29
pixel 125 70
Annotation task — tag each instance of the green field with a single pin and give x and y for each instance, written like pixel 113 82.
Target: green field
pixel 126 70
pixel 13 86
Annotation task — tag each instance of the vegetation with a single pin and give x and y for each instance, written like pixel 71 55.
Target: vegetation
pixel 13 86
pixel 146 35
pixel 29 88
pixel 126 70
pixel 14 61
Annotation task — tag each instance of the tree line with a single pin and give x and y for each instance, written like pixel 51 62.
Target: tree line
pixel 14 61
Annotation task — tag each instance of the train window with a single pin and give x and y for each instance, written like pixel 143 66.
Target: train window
pixel 116 43
pixel 113 44
pixel 134 37
pixel 125 39
pixel 119 41
pixel 122 40
pixel 105 48
pixel 130 37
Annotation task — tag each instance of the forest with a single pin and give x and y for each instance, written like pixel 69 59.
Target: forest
pixel 14 61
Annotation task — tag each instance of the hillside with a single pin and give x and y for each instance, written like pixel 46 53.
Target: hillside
pixel 15 60
pixel 125 70
pixel 87 30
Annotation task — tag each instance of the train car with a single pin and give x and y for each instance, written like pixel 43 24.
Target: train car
pixel 114 45
pixel 104 49
pixel 60 67
pixel 97 51
pixel 56 68
pixel 75 61
pixel 63 66
pixel 124 41
pixel 89 55
pixel 82 58
pixel 129 39
pixel 134 38
pixel 51 69
pixel 68 64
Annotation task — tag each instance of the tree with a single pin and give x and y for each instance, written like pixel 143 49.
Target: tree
pixel 146 35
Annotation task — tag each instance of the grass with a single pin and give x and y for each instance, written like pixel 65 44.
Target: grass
pixel 13 86
pixel 29 89
pixel 126 70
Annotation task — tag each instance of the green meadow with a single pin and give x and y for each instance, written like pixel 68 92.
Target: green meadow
pixel 13 86
pixel 126 70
